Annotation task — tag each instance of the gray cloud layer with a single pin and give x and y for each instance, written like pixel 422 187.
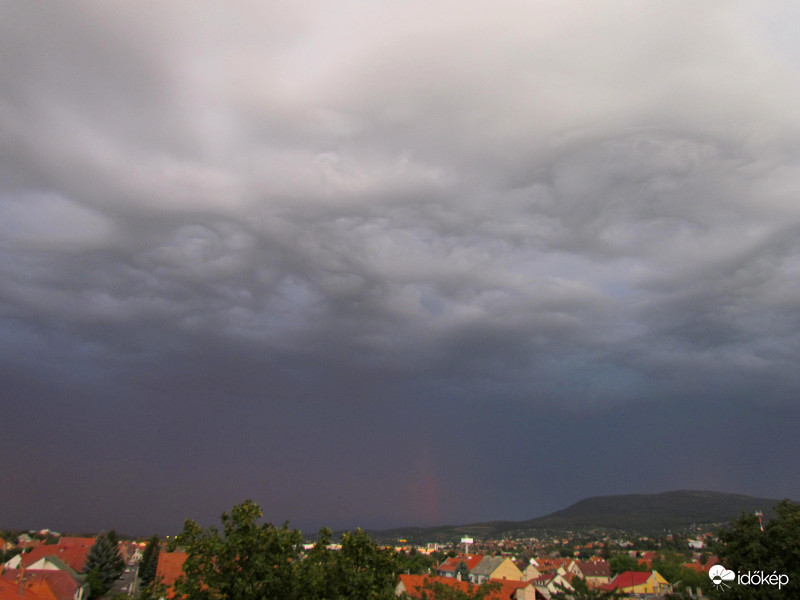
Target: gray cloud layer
pixel 532 207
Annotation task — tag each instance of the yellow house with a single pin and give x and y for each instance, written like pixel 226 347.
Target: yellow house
pixel 636 582
pixel 495 567
pixel 531 572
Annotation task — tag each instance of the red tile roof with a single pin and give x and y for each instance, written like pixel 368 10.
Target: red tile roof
pixel 703 569
pixel 76 541
pixel 170 566
pixel 58 585
pixel 10 590
pixel 451 564
pixel 695 566
pixel 552 564
pixel 627 579
pixel 647 559
pixel 508 588
pixel 595 568
pixel 545 578
pixel 42 589
pixel 74 556
pixel 414 585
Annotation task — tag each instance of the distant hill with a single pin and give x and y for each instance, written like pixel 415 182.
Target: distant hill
pixel 639 513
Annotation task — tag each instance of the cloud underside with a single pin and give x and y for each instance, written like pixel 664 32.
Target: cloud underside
pixel 567 204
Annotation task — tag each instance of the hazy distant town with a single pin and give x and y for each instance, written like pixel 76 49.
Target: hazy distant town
pixel 247 560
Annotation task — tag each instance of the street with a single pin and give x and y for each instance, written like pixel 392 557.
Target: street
pixel 127 584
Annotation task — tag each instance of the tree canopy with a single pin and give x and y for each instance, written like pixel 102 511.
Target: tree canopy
pixel 745 548
pixel 248 561
pixel 622 562
pixel 104 564
pixel 149 562
pixel 245 562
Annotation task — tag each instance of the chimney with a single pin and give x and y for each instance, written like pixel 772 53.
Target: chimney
pixel 21 582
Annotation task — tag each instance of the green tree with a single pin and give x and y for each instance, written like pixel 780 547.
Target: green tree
pixel 691 579
pixel 97 586
pixel 360 570
pixel 670 564
pixel 119 562
pixel 313 576
pixel 245 562
pixel 153 590
pixel 104 565
pixel 414 562
pixel 149 562
pixel 744 547
pixel 622 562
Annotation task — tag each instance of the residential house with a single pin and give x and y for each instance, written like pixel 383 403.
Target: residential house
pixel 702 568
pixel 514 590
pixel 531 571
pixel 53 571
pixel 41 558
pixel 131 552
pixel 136 552
pixel 547 565
pixel 647 558
pixel 169 568
pixel 495 567
pixel 451 567
pixel 639 582
pixel 550 584
pixel 50 584
pixel 594 572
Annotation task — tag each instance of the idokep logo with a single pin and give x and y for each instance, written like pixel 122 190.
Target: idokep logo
pixel 720 576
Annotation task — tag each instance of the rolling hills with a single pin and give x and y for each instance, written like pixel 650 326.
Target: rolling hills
pixel 635 513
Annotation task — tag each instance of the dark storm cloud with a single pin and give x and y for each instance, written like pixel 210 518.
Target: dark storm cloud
pixel 328 220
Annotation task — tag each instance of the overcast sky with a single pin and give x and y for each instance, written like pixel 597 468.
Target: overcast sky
pixel 394 263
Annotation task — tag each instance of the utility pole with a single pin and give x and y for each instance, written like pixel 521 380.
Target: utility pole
pixel 135 583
